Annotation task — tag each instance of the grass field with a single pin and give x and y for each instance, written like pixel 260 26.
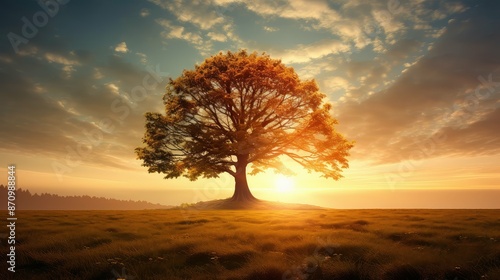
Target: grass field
pixel 258 244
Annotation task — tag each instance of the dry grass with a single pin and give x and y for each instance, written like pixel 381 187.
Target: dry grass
pixel 259 244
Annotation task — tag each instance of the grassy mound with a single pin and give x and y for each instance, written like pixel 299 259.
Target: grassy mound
pixel 228 204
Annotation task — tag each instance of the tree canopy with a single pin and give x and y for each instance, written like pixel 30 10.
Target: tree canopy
pixel 236 110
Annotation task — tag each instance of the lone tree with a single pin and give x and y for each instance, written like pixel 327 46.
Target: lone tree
pixel 237 110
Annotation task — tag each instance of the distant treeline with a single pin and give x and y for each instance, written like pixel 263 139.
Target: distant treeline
pixel 45 201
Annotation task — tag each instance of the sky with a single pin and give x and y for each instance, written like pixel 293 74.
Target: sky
pixel 415 83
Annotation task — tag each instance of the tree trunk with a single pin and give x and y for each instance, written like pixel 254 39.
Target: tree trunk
pixel 241 191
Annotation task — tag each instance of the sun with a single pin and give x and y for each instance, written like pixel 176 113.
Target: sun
pixel 284 184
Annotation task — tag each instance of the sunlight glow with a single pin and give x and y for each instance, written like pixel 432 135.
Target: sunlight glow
pixel 284 184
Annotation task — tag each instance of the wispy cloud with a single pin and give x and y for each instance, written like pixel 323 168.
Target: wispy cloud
pixel 453 91
pixel 143 57
pixel 270 29
pixel 60 111
pixel 67 63
pixel 198 13
pixel 144 12
pixel 305 53
pixel 217 36
pixel 179 32
pixel 199 23
pixel 121 48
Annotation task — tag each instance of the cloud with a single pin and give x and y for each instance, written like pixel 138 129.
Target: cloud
pixel 270 29
pixel 121 48
pixel 337 83
pixel 217 36
pixel 200 23
pixel 293 9
pixel 478 138
pixel 179 32
pixel 59 112
pixel 356 23
pixel 98 74
pixel 67 63
pixel 45 124
pixel 56 58
pixel 144 12
pixel 143 57
pixel 305 53
pixel 198 13
pixel 452 91
pixel 317 67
